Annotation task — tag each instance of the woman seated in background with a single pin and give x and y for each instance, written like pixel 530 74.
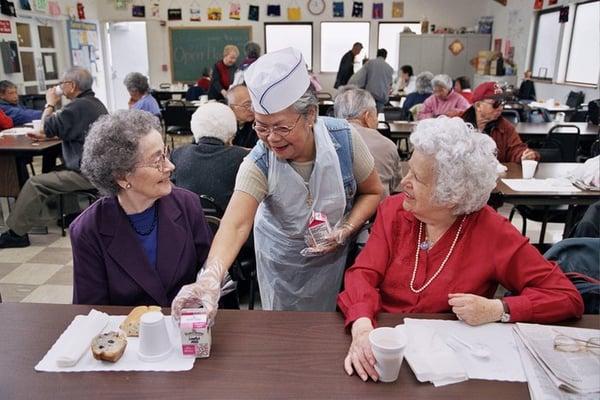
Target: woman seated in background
pixel 462 86
pixel 204 81
pixel 223 73
pixel 445 101
pixel 438 248
pixel 422 93
pixel 146 239
pixel 214 127
pixel 140 98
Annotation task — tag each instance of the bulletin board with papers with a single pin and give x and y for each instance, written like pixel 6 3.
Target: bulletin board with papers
pixel 84 44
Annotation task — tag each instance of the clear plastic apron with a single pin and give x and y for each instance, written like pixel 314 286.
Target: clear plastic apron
pixel 287 280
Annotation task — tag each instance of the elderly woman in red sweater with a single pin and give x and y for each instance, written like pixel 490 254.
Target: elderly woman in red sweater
pixel 438 247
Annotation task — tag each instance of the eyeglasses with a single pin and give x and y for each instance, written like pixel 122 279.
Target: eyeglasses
pixel 161 163
pixel 264 131
pixel 570 344
pixel 245 106
pixel 496 103
pixel 61 82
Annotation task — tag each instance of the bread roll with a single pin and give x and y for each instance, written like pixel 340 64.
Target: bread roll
pixel 131 325
pixel 109 346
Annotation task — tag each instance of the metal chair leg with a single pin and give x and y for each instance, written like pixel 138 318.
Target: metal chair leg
pixel 512 214
pixel 252 290
pixel 544 223
pixel 61 210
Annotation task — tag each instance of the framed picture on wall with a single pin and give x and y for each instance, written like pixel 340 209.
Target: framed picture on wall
pixel 50 67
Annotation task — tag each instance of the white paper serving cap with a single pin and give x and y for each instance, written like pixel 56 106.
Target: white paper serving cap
pixel 276 80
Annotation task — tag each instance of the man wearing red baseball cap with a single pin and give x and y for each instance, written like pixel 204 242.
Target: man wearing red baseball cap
pixel 486 115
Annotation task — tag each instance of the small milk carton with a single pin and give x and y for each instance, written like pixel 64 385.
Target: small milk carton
pixel 319 228
pixel 195 333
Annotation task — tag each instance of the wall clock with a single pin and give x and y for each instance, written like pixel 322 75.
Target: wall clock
pixel 316 7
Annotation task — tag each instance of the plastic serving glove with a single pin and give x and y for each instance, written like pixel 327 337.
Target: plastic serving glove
pixel 204 292
pixel 340 234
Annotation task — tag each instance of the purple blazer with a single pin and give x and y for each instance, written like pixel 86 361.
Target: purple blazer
pixel 109 263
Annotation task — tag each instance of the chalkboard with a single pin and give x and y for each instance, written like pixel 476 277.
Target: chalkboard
pixel 193 49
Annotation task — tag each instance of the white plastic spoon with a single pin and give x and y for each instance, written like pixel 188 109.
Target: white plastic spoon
pixel 477 350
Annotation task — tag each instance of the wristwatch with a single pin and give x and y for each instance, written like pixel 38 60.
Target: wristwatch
pixel 505 317
pixel 49 106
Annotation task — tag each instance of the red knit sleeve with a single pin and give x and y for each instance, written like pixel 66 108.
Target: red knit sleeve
pixel 361 297
pixel 543 293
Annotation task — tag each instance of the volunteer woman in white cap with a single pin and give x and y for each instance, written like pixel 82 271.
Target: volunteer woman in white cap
pixel 302 164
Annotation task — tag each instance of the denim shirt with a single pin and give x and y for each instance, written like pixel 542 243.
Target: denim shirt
pixel 341 136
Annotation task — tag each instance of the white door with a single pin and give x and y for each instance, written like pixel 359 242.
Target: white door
pixel 128 52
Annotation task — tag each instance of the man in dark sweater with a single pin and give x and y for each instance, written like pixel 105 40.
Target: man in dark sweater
pixel 71 125
pixel 210 166
pixel 238 99
pixel 346 68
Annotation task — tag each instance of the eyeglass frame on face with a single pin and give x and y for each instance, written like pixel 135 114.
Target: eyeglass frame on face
pixel 161 163
pixel 571 344
pixel 496 103
pixel 246 105
pixel 272 129
pixel 62 82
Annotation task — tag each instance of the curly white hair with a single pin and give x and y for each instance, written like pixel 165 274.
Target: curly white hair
pixel 465 162
pixel 215 120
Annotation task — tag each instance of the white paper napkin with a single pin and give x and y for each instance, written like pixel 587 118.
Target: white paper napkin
pixel 429 357
pixel 77 341
pixel 130 360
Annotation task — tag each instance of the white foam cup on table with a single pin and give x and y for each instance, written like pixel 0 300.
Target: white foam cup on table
pixel 381 117
pixel 58 90
pixel 37 124
pixel 560 117
pixel 155 344
pixel 204 98
pixel 528 167
pixel 388 346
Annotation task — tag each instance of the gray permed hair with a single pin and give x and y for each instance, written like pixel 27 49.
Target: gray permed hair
pixel 423 82
pixel 351 102
pixel 307 102
pixel 136 81
pixel 252 50
pixel 465 162
pixel 111 149
pixel 442 80
pixel 80 76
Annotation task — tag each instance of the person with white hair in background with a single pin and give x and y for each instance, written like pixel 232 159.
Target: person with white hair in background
pixel 357 106
pixel 70 125
pixel 238 99
pixel 445 101
pixel 439 248
pixel 139 94
pixel 302 165
pixel 209 165
pixel 422 92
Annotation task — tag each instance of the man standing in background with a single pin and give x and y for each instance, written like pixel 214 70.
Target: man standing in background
pixel 346 68
pixel 376 78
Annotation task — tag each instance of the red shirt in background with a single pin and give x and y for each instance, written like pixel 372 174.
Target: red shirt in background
pixel 204 83
pixel 467 94
pixel 5 121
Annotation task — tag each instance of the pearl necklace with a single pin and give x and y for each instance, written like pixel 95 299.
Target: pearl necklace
pixel 414 274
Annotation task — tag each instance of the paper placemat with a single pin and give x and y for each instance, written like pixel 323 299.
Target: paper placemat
pixel 558 185
pixel 128 362
pixel 15 131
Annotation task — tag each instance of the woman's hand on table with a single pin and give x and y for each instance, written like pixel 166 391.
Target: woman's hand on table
pixel 475 310
pixel 360 357
pixel 205 292
pixel 37 136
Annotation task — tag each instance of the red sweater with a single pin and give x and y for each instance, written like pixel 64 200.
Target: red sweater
pixel 489 251
pixel 5 121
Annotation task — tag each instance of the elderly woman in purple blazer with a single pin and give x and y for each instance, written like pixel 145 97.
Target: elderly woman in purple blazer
pixel 146 239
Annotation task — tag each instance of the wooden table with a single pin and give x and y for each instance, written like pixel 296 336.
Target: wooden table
pixel 13 173
pixel 254 355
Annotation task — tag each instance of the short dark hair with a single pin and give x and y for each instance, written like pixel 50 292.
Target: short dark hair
pixel 465 83
pixel 407 69
pixel 5 85
pixel 357 44
pixel 382 53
